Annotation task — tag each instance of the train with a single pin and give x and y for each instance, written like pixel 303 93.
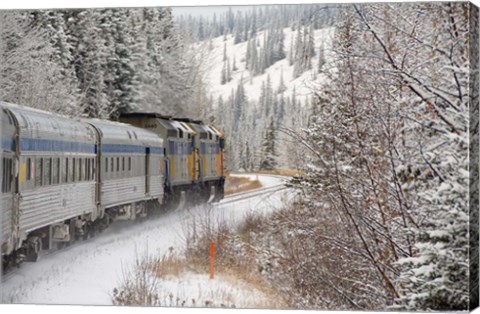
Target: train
pixel 65 179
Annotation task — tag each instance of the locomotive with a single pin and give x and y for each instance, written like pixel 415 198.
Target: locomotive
pixel 66 179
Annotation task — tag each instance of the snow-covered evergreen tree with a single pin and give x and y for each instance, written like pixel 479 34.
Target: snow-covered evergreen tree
pixel 269 151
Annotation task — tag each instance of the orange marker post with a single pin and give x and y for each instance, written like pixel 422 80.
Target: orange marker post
pixel 212 259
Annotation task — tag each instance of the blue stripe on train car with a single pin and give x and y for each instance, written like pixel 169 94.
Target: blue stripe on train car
pixel 8 144
pixel 43 145
pixel 156 150
pixel 121 148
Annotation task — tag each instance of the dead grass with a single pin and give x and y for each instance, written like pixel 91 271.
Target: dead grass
pixel 169 265
pixel 240 184
pixel 281 172
pixel 236 276
pixel 239 261
pixel 142 285
pixel 236 257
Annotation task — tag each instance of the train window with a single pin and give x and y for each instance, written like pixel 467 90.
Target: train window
pixel 4 175
pixel 29 169
pixel 71 170
pixel 38 171
pixel 111 164
pixel 106 164
pixel 59 170
pixel 88 170
pixel 74 169
pixel 47 171
pixel 65 170
pixel 55 170
pixel 180 133
pixel 129 163
pixel 118 164
pixel 7 177
pixel 123 163
pixel 81 169
pixel 92 161
pixel 78 170
pixel 84 169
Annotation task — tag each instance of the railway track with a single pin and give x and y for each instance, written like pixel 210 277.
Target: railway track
pixel 230 199
pixel 249 194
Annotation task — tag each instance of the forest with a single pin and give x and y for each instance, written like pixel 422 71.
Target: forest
pixel 380 135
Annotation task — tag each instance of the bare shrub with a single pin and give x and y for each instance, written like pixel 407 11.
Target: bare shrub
pixel 318 260
pixel 239 252
pixel 139 286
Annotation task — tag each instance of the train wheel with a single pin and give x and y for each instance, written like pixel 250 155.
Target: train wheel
pixel 86 232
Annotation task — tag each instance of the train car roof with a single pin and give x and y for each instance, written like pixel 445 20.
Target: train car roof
pixel 125 132
pixel 34 123
pixel 145 114
pixel 171 123
pixel 159 116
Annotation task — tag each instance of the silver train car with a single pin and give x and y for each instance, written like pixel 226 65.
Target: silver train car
pixel 49 162
pixel 130 176
pixel 194 155
pixel 64 179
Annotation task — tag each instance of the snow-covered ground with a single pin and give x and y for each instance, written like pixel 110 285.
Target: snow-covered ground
pixel 198 290
pixel 87 273
pixel 265 180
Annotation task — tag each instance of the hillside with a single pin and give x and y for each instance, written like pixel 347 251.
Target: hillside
pixel 262 85
pixel 252 84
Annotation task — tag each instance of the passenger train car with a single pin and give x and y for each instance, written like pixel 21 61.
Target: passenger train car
pixel 48 178
pixel 65 179
pixel 194 153
pixel 130 174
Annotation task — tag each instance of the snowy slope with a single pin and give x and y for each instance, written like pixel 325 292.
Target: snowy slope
pixel 87 273
pixel 302 84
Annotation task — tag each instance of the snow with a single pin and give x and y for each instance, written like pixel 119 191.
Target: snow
pixel 198 290
pixel 265 180
pixel 87 273
pixel 302 84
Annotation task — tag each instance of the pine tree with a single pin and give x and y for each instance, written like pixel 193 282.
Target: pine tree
pixel 299 56
pixel 224 52
pixel 281 87
pixel 234 66
pixel 229 72
pixel 240 102
pixel 268 97
pixel 223 76
pixel 269 152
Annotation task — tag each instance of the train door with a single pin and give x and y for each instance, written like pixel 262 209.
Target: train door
pixel 168 181
pixel 203 157
pixel 147 170
pixel 171 161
